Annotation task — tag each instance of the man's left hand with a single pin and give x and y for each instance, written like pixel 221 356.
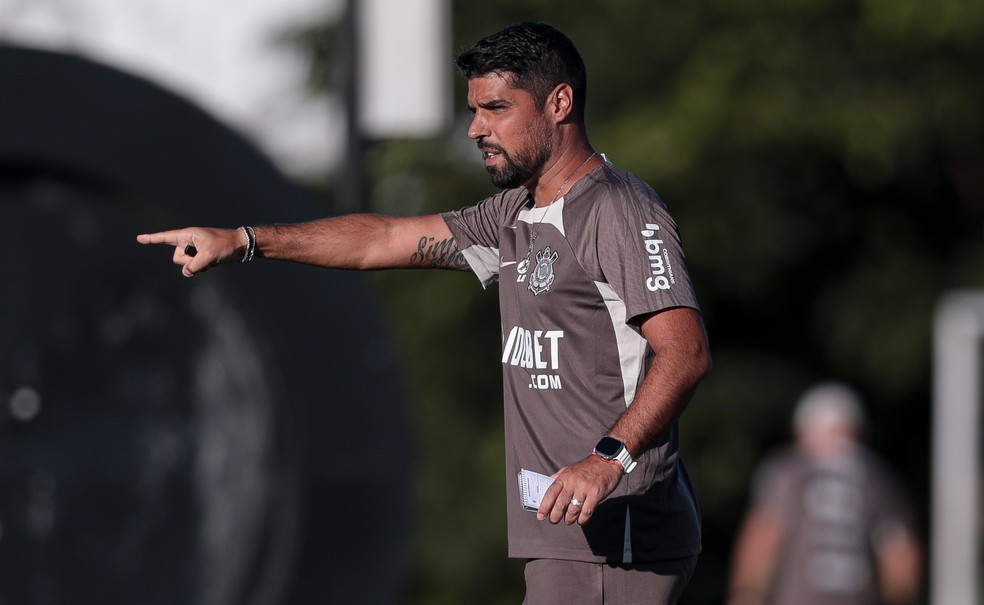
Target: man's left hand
pixel 578 489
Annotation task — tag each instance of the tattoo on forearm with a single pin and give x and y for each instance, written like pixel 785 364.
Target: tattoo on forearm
pixel 438 254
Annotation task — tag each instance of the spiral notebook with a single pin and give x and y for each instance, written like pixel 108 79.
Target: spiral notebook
pixel 532 486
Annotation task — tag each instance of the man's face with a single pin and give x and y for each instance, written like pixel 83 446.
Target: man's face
pixel 510 129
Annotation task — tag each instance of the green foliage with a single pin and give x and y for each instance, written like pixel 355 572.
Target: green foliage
pixel 823 161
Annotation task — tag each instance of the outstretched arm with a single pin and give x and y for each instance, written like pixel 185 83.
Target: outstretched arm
pixel 357 241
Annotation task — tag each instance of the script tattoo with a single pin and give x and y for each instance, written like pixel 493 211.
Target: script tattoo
pixel 438 254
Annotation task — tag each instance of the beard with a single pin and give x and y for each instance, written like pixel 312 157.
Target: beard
pixel 527 162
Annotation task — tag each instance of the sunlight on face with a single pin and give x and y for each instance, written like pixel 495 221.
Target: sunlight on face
pixel 510 130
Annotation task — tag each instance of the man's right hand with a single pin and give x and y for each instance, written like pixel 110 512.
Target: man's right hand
pixel 198 249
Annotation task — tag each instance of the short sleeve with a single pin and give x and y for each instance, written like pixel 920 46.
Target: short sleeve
pixel 641 253
pixel 773 486
pixel 477 231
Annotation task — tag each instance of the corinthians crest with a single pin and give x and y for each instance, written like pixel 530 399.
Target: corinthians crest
pixel 543 272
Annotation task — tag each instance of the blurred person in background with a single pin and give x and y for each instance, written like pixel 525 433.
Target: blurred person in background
pixel 603 342
pixel 827 524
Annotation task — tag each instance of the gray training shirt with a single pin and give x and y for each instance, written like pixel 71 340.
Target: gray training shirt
pixel 573 356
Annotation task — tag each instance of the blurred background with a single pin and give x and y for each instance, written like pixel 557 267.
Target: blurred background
pixel 275 434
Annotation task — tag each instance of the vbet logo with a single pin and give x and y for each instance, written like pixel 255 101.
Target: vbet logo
pixel 659 260
pixel 537 350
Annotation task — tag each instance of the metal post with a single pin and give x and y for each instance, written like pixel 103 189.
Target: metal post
pixel 955 550
pixel 353 183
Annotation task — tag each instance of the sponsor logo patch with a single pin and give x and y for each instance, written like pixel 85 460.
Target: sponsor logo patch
pixel 660 268
pixel 537 351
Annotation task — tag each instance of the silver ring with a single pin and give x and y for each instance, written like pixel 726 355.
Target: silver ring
pixel 576 502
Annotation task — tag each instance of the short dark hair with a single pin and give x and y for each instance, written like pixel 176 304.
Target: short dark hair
pixel 538 56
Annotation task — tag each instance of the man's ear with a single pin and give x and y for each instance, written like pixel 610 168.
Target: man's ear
pixel 560 103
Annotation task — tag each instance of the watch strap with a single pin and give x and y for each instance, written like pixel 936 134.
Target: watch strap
pixel 622 457
pixel 625 459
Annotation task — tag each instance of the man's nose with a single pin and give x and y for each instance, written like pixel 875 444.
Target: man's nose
pixel 477 129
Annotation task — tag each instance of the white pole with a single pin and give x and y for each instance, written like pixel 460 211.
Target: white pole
pixel 955 549
pixel 404 67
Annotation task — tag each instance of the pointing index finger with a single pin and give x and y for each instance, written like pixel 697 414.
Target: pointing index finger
pixel 162 237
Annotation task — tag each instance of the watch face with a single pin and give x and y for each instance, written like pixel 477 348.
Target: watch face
pixel 608 447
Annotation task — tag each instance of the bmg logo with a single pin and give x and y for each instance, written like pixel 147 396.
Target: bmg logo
pixel 658 259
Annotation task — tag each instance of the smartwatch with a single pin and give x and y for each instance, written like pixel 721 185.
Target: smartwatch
pixel 610 448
